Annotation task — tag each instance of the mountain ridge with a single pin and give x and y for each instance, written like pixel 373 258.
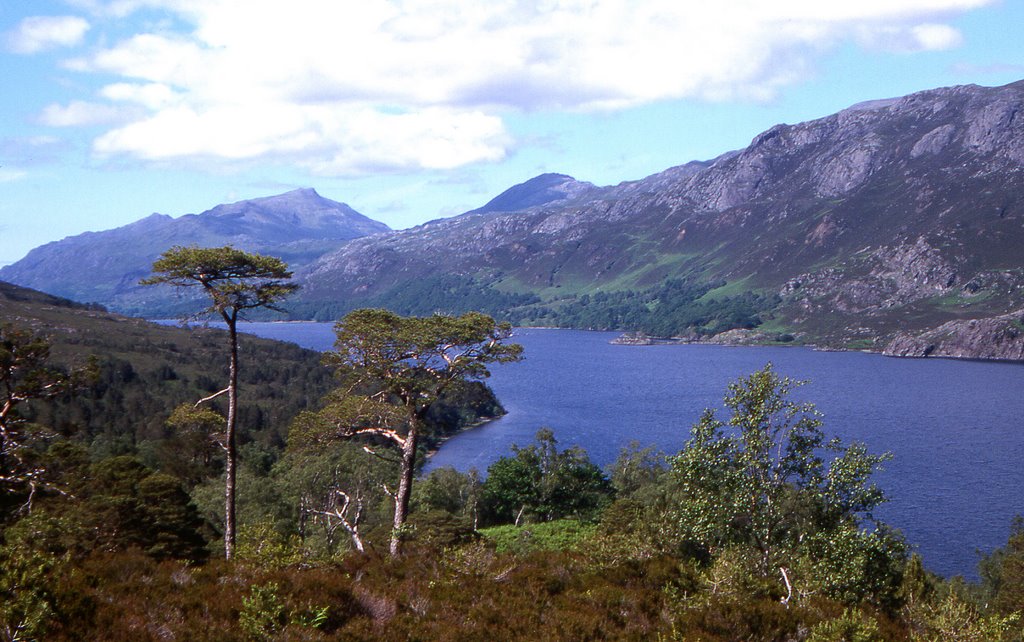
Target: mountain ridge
pixel 884 220
pixel 105 266
pixel 870 228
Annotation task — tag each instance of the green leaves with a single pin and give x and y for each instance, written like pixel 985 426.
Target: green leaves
pixel 25 375
pixel 412 359
pixel 394 368
pixel 541 483
pixel 759 482
pixel 187 266
pixel 234 280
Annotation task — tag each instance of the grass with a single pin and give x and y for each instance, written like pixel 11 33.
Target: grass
pixel 670 265
pixel 558 535
pixel 732 288
pixel 957 299
pixel 861 344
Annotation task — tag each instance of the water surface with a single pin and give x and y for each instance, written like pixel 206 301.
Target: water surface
pixel 956 428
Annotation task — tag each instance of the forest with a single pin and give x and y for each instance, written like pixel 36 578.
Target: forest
pixel 677 307
pixel 758 528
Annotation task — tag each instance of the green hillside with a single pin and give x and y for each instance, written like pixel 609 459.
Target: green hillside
pixel 147 369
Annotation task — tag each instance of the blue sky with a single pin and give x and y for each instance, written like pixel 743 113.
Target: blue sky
pixel 409 110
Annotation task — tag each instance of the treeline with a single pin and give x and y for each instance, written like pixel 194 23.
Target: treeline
pixel 673 308
pixel 452 294
pixel 139 383
pixel 443 293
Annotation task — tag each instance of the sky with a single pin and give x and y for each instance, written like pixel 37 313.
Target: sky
pixel 411 110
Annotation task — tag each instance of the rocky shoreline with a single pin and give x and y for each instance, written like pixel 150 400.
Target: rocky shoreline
pixel 999 338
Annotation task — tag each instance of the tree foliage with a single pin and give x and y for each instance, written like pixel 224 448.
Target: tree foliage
pixel 125 504
pixel 758 484
pixel 1002 572
pixel 25 375
pixel 234 280
pixel 542 484
pixel 673 308
pixel 392 369
pixel 447 490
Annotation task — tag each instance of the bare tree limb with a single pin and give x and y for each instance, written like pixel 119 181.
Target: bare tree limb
pixel 390 460
pixel 382 432
pixel 212 397
pixel 789 588
pixel 335 515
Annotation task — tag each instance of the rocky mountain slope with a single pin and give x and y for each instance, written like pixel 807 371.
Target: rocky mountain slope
pixel 885 220
pixel 895 225
pixel 105 267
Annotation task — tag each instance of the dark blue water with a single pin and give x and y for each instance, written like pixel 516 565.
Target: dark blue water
pixel 956 427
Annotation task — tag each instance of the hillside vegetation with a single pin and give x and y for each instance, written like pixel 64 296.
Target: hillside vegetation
pixel 758 529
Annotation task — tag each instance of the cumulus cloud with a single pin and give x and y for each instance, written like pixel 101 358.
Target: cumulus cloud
pixel 40 33
pixel 351 87
pixel 80 113
pixel 933 37
pixel 154 96
pixel 911 39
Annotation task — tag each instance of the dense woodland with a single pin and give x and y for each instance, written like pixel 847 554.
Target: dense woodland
pixel 758 529
pixel 673 308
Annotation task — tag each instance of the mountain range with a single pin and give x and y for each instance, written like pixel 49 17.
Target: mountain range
pixel 894 225
pixel 105 267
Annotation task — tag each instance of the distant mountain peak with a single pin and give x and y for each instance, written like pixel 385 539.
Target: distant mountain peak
pixel 539 190
pixel 304 197
pixel 870 105
pixel 298 194
pixel 298 226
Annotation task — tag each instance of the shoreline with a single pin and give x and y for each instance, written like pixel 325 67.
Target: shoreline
pixel 473 426
pixel 636 339
pixel 644 341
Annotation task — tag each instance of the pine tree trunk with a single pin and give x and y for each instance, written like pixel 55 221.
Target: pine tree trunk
pixel 404 487
pixel 230 443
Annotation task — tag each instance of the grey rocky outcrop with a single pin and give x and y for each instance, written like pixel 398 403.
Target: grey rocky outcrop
pixel 1000 338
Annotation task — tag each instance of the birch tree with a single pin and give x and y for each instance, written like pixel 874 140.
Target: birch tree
pixel 759 483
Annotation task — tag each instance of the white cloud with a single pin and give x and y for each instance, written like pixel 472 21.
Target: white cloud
pixel 911 39
pixel 345 87
pixel 934 37
pixel 39 33
pixel 152 95
pixel 80 113
pixel 327 140
pixel 11 175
